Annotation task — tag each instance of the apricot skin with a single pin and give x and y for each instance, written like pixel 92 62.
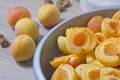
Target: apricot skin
pixel 49 15
pixel 17 13
pixel 27 26
pixel 95 23
pixel 22 48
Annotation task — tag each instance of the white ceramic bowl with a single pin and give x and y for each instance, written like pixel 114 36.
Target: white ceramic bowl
pixel 47 48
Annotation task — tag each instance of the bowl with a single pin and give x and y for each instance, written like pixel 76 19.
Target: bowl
pixel 95 4
pixel 47 49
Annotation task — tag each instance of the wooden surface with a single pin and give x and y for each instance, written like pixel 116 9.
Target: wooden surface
pixel 9 68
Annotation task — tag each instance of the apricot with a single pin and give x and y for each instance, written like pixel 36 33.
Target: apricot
pixel 62 45
pixel 90 57
pixel 110 27
pixel 17 13
pixel 95 23
pixel 109 73
pixel 116 16
pixel 22 48
pixel 100 37
pixel 108 52
pixel 96 62
pixel 91 72
pixel 79 69
pixel 73 60
pixel 49 15
pixel 80 40
pixel 71 29
pixel 64 72
pixel 57 61
pixel 27 26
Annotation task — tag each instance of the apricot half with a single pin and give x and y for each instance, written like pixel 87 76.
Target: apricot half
pixel 110 27
pixel 64 72
pixel 96 62
pixel 91 72
pixel 90 57
pixel 100 37
pixel 62 44
pixel 116 16
pixel 80 40
pixel 73 60
pixel 108 52
pixel 109 73
pixel 79 69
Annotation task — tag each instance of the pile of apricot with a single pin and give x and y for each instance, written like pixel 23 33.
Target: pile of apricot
pixel 27 31
pixel 23 46
pixel 91 52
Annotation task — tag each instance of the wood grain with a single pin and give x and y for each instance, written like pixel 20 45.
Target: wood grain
pixel 9 68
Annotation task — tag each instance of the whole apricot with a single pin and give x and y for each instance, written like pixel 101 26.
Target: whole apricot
pixel 17 13
pixel 27 26
pixel 95 23
pixel 49 15
pixel 22 48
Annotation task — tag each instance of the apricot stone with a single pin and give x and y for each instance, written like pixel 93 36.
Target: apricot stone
pixel 27 26
pixel 17 13
pixel 49 15
pixel 22 48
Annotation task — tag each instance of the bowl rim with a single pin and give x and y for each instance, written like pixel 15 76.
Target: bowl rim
pixel 36 58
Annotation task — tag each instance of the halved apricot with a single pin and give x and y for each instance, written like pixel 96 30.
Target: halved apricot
pixel 108 52
pixel 73 60
pixel 62 44
pixel 116 16
pixel 90 57
pixel 91 72
pixel 100 37
pixel 109 73
pixel 110 27
pixel 79 69
pixel 64 72
pixel 80 40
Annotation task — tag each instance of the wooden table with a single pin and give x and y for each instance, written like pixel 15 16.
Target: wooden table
pixel 9 68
